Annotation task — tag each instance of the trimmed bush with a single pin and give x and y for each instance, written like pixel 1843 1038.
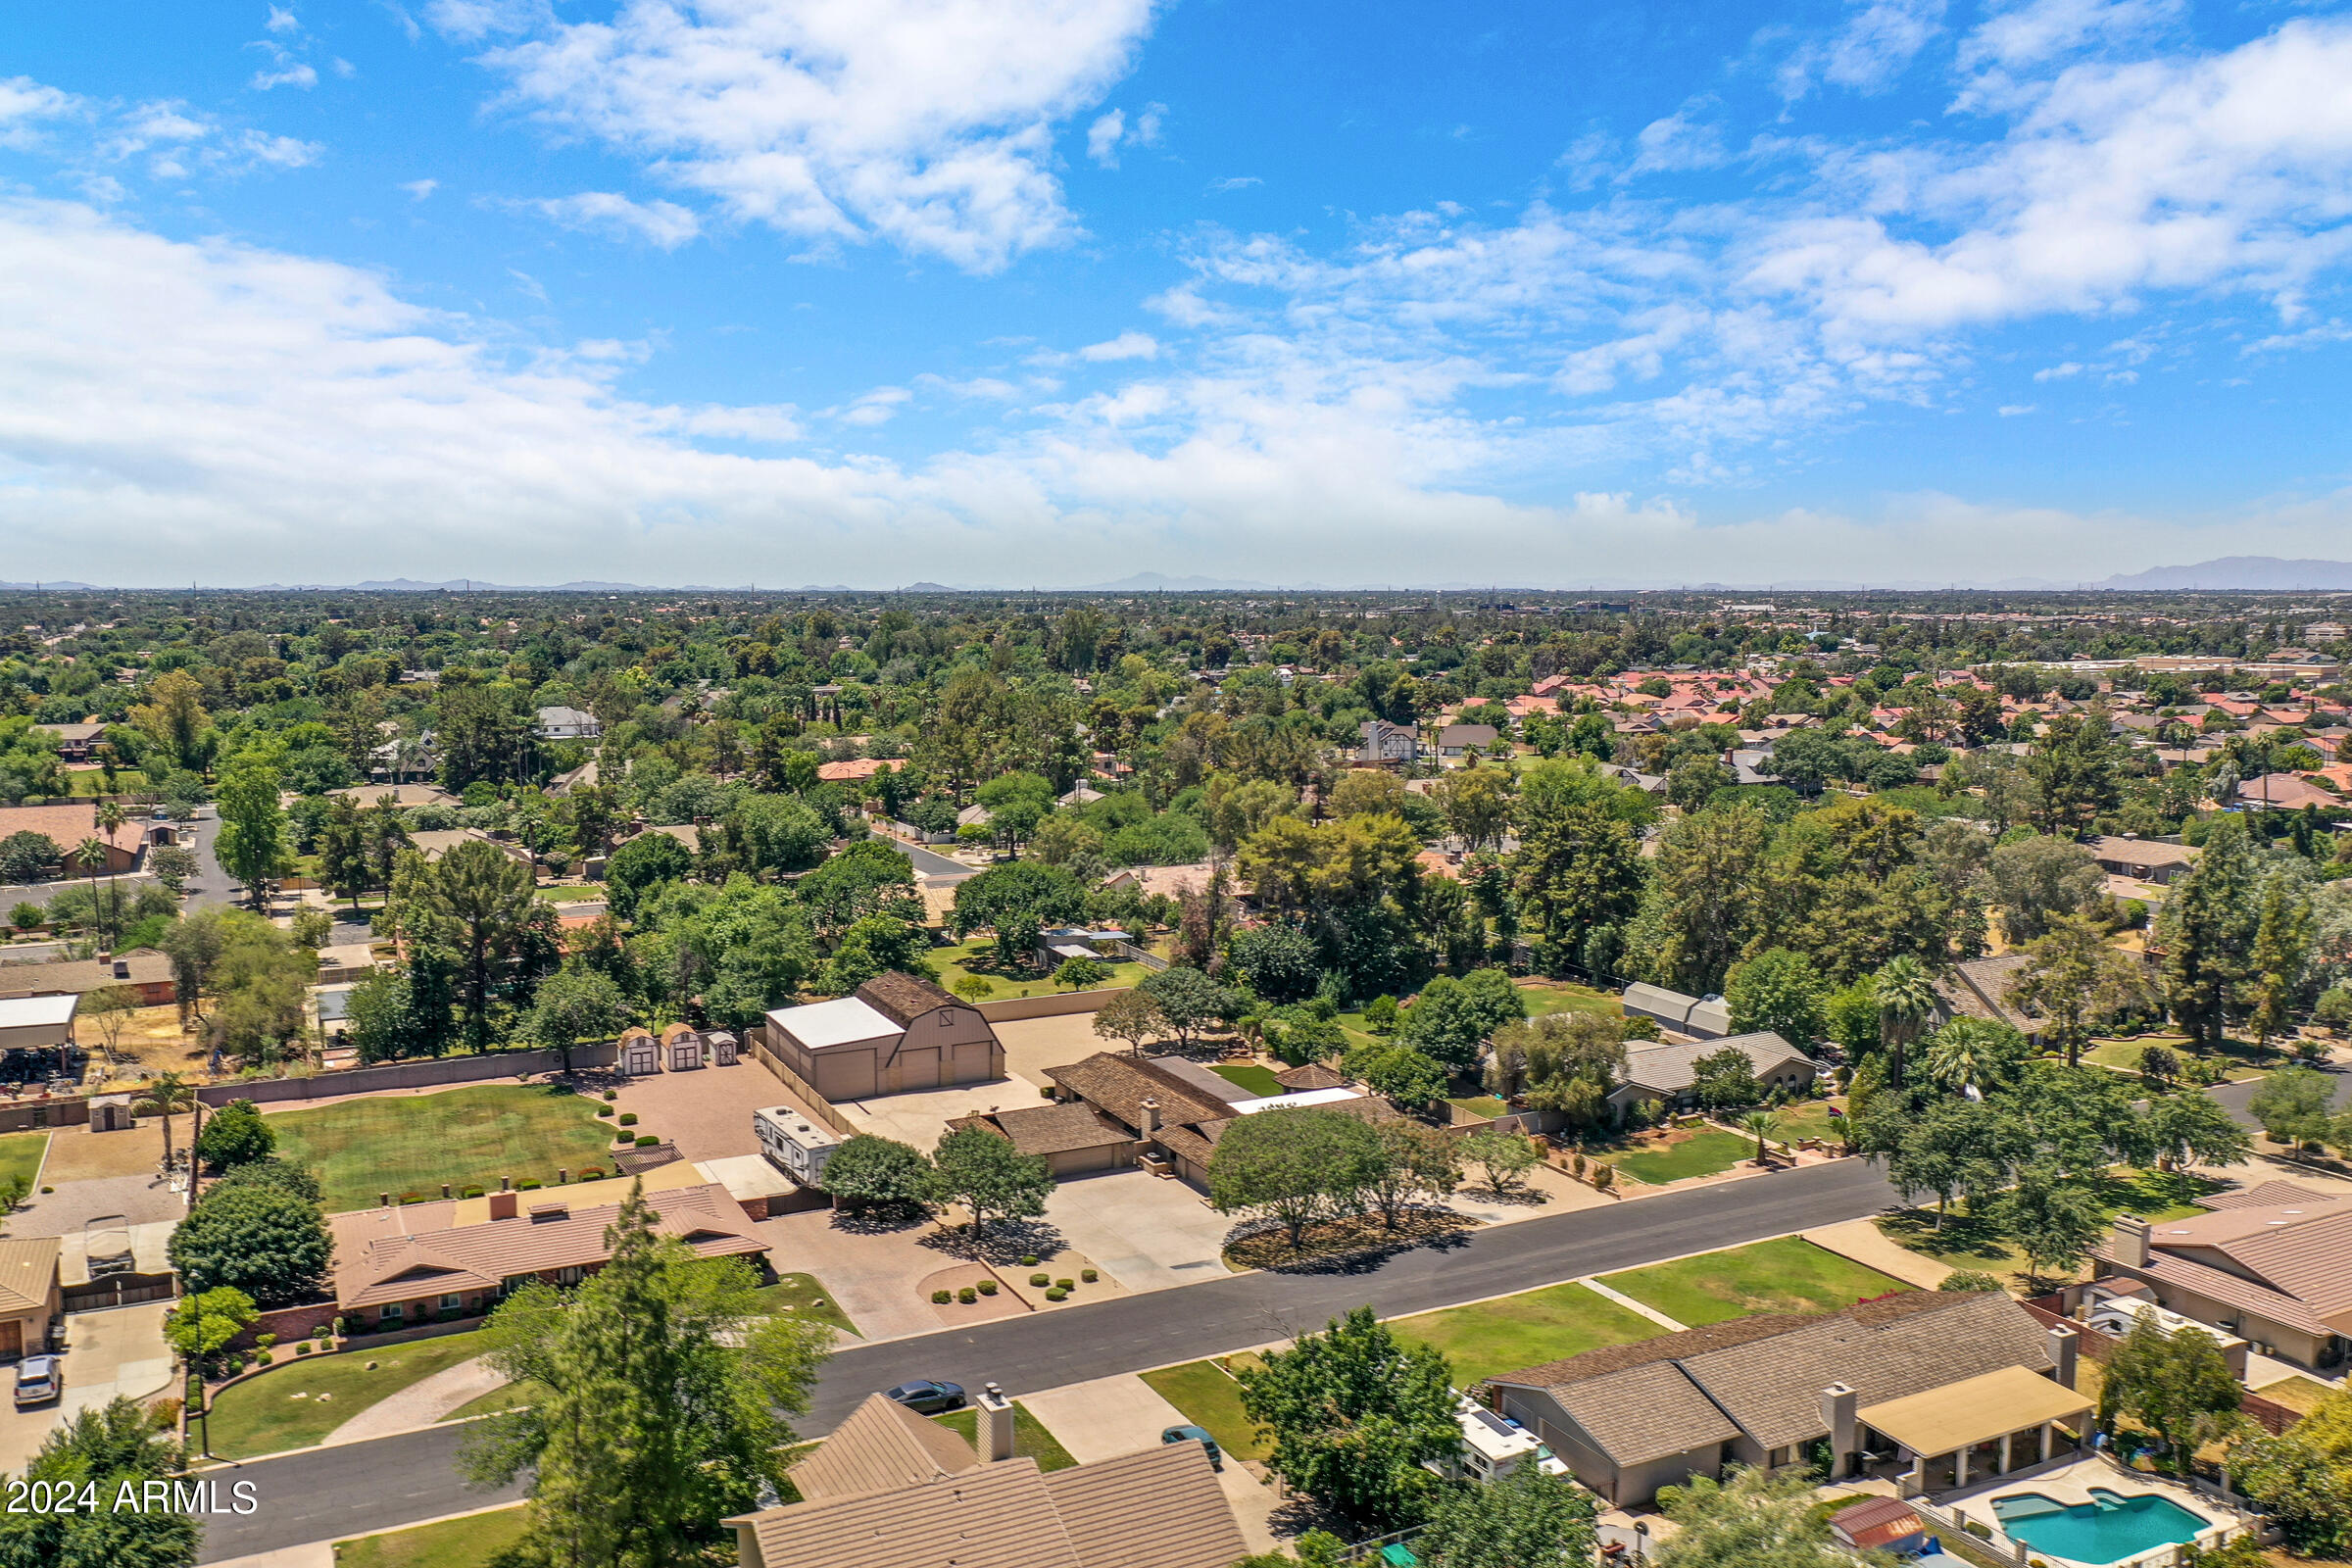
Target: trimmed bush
pixel 648 1141
pixel 469 1192
pixel 612 1093
pixel 942 1298
pixel 1089 1275
pixel 588 1173
pixel 302 1346
pixel 1066 1285
pixel 603 1111
pixel 1057 1294
pixel 628 1118
pixel 1039 1280
pixel 527 1184
pixel 988 1287
pixel 1028 1261
pixel 967 1296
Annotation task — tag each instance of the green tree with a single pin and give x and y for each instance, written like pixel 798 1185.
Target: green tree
pixel 1780 991
pixel 989 1177
pixel 2303 1478
pixel 1409 1077
pixel 1526 1520
pixel 1081 974
pixel 643 865
pixel 175 720
pixel 1748 1520
pixel 2073 977
pixel 1451 1019
pixel 102 1451
pixel 2207 930
pixel 660 1388
pixel 1953 1146
pixel 1130 1016
pixel 1416 1161
pixel 266 1242
pixel 165 1094
pixel 1579 861
pixel 2039 880
pixel 29 857
pixel 573 1005
pixel 1906 1001
pixel 252 844
pixel 882 1174
pixel 2294 1105
pixel 1505 1157
pixel 234 1135
pixel 1563 1062
pixel 2073 767
pixel 2282 947
pixel 344 865
pixel 1189 1003
pixel 2176 1385
pixel 1704 904
pixel 1974 1054
pixel 779 833
pixel 2191 1126
pixel 1277 961
pixel 1016 902
pixel 478 900
pixel 1292 1166
pixel 1355 1413
pixel 1016 802
pixel 2054 1217
pixel 204 1322
pixel 1724 1079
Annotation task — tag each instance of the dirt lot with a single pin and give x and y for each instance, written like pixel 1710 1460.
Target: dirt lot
pixel 152 1035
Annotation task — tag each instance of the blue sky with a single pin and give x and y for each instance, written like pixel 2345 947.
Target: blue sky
pixel 870 291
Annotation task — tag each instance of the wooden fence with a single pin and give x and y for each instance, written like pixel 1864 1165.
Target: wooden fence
pixel 801 1089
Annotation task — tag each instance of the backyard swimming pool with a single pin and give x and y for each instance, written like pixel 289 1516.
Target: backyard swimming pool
pixel 2107 1529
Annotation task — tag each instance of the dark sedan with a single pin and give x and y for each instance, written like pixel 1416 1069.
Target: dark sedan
pixel 928 1395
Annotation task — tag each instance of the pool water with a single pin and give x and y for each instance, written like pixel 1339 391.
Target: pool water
pixel 2108 1529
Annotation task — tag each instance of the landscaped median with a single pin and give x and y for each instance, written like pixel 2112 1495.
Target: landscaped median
pixel 298 1403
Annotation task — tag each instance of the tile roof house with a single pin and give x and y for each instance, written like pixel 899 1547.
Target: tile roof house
pixel 465 1268
pixel 1980 988
pixel 32 1297
pixel 143 969
pixel 892 1490
pixel 1760 1390
pixel 1669 1072
pixel 896 1034
pixel 67 825
pixel 1071 1136
pixel 2277 1271
pixel 1180 1108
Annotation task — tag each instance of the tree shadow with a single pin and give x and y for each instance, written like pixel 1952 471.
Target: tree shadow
pixel 1004 1242
pixel 879 1219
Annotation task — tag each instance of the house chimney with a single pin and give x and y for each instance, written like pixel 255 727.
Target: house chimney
pixel 503 1204
pixel 1151 1108
pixel 2063 1343
pixel 505 1183
pixel 1837 1402
pixel 2129 1245
pixel 996 1424
pixel 445 1189
pixel 383 1199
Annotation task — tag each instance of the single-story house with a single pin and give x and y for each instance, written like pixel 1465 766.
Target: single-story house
pixel 144 970
pixel 1669 1073
pixel 550 1232
pixel 1072 1138
pixel 896 1034
pixel 1936 1386
pixel 434 843
pixel 1458 740
pixel 69 825
pixel 2284 792
pixel 1980 988
pixel 32 1302
pixel 567 724
pixel 1700 1018
pixel 1178 1109
pixel 2127 854
pixel 1161 881
pixel 37 1023
pixel 2270 1270
pixel 850 770
pixel 892 1490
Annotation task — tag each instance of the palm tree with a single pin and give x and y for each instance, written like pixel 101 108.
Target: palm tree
pixel 168 1093
pixel 110 817
pixel 91 853
pixel 1964 1054
pixel 1906 1000
pixel 1761 1125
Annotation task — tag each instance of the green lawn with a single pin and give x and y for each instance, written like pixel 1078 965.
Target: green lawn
pixel 1255 1079
pixel 20 1156
pixel 1788 1275
pixel 1811 1118
pixel 2238 1058
pixel 1213 1400
pixel 1704 1153
pixel 469 1543
pixel 409 1146
pixel 1478 1104
pixel 1968 1242
pixel 803 1297
pixel 1566 996
pixel 303 1399
pixel 1551 1324
pixel 1030 1439
pixel 89 783
pixel 957 961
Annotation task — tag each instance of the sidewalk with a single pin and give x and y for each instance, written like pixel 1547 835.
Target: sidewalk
pixel 420 1403
pixel 1862 1240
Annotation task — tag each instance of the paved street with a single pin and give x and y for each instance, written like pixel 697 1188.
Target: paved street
pixel 364 1487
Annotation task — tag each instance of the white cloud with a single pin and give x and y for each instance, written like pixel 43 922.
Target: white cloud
pixel 282 20
pixel 1102 138
pixel 662 223
pixel 1869 52
pixel 878 406
pixel 2033 31
pixel 1234 182
pixel 24 104
pixel 419 189
pixel 2058 373
pixel 926 122
pixel 1676 143
pixel 2011 411
pixel 297 75
pixel 1126 346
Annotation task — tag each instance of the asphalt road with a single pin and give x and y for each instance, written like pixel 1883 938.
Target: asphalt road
pixel 364 1486
pixel 929 863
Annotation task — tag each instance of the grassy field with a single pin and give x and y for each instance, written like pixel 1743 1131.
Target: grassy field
pixel 411 1145
pixel 1478 1104
pixel 1030 1439
pixel 1211 1399
pixel 978 957
pixel 1969 1241
pixel 1251 1076
pixel 2238 1058
pixel 803 1297
pixel 467 1543
pixel 2296 1393
pixel 1811 1118
pixel 20 1156
pixel 1788 1275
pixel 89 783
pixel 1566 996
pixel 1525 1330
pixel 303 1399
pixel 1702 1152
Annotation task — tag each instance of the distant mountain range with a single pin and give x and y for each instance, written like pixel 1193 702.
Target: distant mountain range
pixel 2242 572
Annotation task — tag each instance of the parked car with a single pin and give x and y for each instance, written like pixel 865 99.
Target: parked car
pixel 928 1395
pixel 1216 1455
pixel 39 1378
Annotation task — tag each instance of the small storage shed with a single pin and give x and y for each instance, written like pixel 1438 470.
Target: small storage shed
pixel 681 1048
pixel 640 1053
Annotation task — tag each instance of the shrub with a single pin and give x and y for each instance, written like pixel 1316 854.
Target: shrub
pixel 1029 1261
pixel 988 1287
pixel 1066 1285
pixel 648 1141
pixel 267 1358
pixel 48 1189
pixel 1046 1093
pixel 164 1413
pixel 628 1118
pixel 603 1111
pixel 469 1192
pixel 612 1093
pixel 942 1298
pixel 302 1346
pixel 588 1173
pixel 1057 1294
pixel 967 1296
pixel 1089 1275
pixel 265 1341
pixel 527 1184
pixel 1040 1280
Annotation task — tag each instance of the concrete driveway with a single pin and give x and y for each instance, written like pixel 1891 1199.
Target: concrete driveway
pixel 117 1352
pixel 1146 1232
pixel 1032 1045
pixel 1110 1416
